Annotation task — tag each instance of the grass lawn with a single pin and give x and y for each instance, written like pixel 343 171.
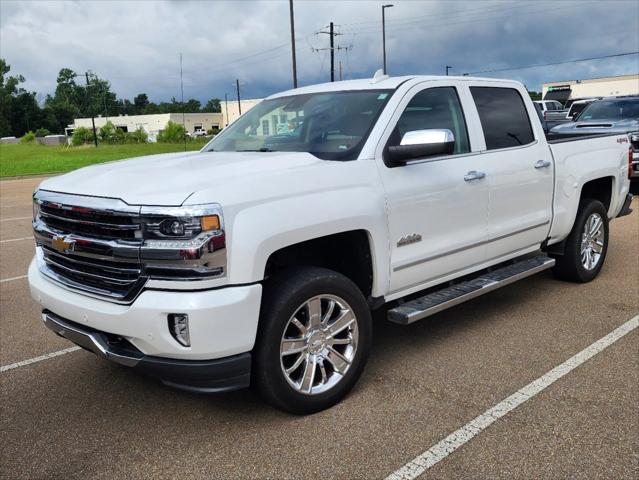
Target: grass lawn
pixel 32 159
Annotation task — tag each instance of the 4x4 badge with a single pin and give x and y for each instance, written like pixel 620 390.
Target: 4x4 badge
pixel 62 244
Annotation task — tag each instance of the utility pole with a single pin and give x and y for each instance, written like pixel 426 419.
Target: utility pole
pixel 340 70
pixel 290 3
pixel 448 67
pixel 384 7
pixel 226 107
pixel 182 92
pixel 331 33
pixel 95 135
pixel 239 104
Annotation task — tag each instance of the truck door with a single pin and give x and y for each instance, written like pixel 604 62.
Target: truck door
pixel 519 171
pixel 436 212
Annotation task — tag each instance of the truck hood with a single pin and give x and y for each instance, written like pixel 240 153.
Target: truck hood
pixel 598 126
pixel 170 179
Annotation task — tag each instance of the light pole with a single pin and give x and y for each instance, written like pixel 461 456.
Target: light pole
pixel 448 67
pixel 384 7
pixel 292 15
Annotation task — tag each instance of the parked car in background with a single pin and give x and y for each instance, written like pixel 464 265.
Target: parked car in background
pixel 259 259
pixel 552 110
pixel 606 116
pixel 553 113
pixel 196 133
pixel 575 106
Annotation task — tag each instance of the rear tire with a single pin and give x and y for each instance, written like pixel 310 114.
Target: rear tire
pixel 586 246
pixel 313 340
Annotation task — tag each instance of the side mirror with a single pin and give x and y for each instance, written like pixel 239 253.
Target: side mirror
pixel 420 144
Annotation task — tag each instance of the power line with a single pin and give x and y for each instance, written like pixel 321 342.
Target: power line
pixel 413 23
pixel 552 63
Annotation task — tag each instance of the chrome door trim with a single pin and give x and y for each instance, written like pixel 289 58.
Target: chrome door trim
pixel 467 247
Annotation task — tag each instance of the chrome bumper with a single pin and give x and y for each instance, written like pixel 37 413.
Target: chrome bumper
pixel 91 340
pixel 199 376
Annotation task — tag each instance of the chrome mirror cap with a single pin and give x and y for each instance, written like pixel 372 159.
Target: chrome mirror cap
pixel 428 137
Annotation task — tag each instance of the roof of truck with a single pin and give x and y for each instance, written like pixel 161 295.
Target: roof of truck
pixel 377 83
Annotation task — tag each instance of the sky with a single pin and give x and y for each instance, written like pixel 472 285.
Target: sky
pixel 136 44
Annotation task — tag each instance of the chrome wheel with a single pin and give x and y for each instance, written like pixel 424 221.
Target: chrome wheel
pixel 319 344
pixel 592 241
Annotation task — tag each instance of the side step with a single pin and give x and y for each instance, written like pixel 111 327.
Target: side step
pixel 435 302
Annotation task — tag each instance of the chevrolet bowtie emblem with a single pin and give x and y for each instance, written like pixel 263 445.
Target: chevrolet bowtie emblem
pixel 62 244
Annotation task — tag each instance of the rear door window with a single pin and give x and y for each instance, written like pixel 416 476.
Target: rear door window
pixel 503 117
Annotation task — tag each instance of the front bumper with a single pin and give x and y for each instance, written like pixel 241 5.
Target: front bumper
pixel 222 322
pixel 204 376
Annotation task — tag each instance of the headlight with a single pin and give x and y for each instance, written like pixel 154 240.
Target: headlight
pixel 183 242
pixel 36 208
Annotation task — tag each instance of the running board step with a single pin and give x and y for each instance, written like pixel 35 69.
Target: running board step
pixel 435 302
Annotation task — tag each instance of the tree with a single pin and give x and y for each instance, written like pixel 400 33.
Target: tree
pixel 172 133
pixel 141 101
pixel 192 106
pixel 81 135
pixel 212 106
pixel 534 95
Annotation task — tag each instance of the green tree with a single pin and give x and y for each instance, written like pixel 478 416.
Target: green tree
pixel 192 106
pixel 81 136
pixel 42 132
pixel 212 106
pixel 172 133
pixel 141 102
pixel 138 136
pixel 534 95
pixel 28 137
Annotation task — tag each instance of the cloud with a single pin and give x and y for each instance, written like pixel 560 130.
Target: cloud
pixel 136 44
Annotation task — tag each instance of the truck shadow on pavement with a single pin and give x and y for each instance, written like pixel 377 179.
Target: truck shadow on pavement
pixel 393 345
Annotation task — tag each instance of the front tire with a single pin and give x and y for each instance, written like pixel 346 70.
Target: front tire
pixel 586 246
pixel 313 340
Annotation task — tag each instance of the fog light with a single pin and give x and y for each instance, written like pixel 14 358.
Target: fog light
pixel 179 328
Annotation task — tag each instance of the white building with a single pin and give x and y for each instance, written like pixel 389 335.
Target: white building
pixel 594 87
pixel 153 124
pixel 231 110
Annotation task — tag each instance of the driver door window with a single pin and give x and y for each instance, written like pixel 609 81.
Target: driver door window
pixel 434 108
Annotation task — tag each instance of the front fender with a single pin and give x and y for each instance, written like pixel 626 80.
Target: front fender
pixel 260 230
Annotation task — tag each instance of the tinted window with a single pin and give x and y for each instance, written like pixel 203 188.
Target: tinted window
pixel 503 117
pixel 434 108
pixel 611 110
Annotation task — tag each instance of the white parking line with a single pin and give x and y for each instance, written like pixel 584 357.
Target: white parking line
pixel 16 218
pixel 16 239
pixel 38 359
pixel 11 279
pixel 458 438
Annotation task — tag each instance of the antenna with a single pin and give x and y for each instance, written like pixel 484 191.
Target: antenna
pixel 182 90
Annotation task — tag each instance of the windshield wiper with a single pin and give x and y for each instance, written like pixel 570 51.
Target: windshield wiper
pixel 263 149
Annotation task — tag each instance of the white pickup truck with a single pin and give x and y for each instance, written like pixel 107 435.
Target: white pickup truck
pixel 259 259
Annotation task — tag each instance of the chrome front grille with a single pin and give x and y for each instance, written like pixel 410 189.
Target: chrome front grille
pixel 113 279
pixel 87 222
pixel 105 247
pixel 90 244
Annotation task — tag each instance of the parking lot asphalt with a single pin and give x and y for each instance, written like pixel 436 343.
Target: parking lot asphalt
pixel 76 416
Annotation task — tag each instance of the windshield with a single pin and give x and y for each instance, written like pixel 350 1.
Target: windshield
pixel 611 110
pixel 329 125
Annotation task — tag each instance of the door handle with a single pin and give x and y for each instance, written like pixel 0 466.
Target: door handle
pixel 542 164
pixel 474 175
